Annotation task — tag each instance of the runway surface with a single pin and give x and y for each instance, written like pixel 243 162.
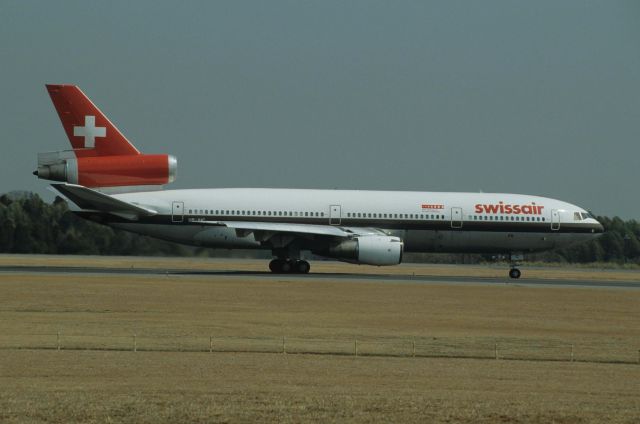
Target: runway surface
pixel 347 277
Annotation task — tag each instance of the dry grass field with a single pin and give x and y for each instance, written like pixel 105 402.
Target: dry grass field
pixel 123 386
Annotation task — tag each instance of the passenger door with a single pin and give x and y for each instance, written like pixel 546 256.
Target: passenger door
pixel 335 214
pixel 555 220
pixel 456 217
pixel 177 211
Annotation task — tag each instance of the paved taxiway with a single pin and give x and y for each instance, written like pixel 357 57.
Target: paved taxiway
pixel 347 277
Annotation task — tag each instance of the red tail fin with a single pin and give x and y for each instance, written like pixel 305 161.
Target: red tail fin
pixel 89 131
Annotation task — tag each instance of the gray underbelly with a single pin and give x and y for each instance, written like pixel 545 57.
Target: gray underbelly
pixel 481 241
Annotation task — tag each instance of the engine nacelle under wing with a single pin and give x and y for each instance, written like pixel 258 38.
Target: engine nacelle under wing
pixel 369 250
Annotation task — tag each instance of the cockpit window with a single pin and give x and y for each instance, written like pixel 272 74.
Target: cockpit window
pixel 577 216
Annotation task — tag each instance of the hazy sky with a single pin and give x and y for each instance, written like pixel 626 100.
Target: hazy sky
pixel 537 97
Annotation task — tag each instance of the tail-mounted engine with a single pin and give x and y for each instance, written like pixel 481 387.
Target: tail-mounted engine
pixel 107 171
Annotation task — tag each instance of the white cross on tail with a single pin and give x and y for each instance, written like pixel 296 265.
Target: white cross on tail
pixel 90 131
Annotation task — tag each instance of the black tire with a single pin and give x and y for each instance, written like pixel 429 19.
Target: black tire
pixel 514 273
pixel 302 267
pixel 275 266
pixel 286 267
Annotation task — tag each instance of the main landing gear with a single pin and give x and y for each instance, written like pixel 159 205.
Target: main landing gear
pixel 514 273
pixel 289 266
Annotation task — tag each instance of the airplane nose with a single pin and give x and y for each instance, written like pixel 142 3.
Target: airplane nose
pixel 598 228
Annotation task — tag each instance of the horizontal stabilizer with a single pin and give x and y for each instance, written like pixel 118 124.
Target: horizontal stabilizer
pixel 86 198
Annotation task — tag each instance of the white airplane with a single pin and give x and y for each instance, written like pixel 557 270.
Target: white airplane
pixel 112 183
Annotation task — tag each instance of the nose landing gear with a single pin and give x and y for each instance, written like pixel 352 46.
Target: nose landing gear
pixel 514 258
pixel 514 273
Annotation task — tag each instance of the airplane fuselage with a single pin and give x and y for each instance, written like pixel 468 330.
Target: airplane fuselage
pixel 425 221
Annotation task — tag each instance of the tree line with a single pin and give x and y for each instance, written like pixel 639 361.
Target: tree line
pixel 30 225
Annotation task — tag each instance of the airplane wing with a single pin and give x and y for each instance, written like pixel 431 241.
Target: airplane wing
pixel 245 227
pixel 87 198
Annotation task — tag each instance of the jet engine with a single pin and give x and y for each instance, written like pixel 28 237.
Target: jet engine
pixel 370 250
pixel 107 171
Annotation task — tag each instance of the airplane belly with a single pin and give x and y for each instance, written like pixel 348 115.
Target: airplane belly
pixel 476 241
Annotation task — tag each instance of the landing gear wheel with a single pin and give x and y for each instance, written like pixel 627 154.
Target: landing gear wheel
pixel 286 266
pixel 514 273
pixel 302 267
pixel 275 266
